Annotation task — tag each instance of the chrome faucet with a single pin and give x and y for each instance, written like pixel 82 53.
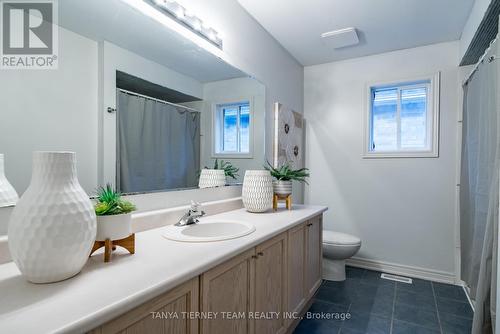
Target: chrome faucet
pixel 191 217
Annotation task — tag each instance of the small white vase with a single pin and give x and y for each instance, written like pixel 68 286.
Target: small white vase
pixel 257 190
pixel 8 195
pixel 210 178
pixel 53 226
pixel 282 188
pixel 114 227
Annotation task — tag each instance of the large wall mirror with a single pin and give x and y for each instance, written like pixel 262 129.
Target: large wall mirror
pixel 143 107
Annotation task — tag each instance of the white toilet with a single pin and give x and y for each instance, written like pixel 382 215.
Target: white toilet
pixel 337 247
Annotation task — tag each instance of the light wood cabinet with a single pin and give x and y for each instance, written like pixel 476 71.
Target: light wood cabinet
pixel 314 254
pixel 229 288
pixel 165 314
pixel 296 268
pixel 250 285
pixel 271 285
pixel 276 277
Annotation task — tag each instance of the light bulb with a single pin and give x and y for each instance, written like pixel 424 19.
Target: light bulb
pixel 174 8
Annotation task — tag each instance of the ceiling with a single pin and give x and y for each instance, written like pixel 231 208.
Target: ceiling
pixel 382 25
pixel 117 22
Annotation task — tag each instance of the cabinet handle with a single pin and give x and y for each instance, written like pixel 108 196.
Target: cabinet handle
pixel 310 224
pixel 254 256
pixel 260 253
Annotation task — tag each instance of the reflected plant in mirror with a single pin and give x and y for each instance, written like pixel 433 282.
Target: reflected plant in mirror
pixel 217 176
pixel 227 167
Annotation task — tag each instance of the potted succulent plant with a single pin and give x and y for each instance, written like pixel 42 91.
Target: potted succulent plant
pixel 284 176
pixel 113 214
pixel 216 176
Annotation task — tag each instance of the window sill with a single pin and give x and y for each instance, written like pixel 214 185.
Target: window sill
pixel 232 156
pixel 392 155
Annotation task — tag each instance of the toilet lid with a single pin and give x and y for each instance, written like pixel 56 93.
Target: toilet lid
pixel 338 238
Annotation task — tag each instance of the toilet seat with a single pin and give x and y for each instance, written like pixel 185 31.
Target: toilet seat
pixel 340 239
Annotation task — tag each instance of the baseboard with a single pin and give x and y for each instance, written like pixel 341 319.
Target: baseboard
pixel 403 270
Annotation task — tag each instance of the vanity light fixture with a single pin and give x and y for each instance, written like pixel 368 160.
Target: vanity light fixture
pixel 188 19
pixel 192 21
pixel 173 7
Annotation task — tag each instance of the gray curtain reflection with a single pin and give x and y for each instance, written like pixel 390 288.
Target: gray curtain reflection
pixel 158 145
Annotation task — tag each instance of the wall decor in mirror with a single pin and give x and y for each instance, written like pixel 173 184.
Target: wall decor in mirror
pixel 142 100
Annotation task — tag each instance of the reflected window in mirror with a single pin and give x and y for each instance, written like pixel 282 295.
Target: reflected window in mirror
pixel 232 129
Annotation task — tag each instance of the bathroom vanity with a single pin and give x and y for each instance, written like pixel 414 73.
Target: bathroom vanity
pixel 277 268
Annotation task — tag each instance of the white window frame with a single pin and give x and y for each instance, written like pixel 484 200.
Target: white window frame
pixel 216 124
pixel 433 98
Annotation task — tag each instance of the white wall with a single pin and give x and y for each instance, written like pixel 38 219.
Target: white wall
pixel 52 110
pixel 472 24
pixel 402 209
pixel 235 90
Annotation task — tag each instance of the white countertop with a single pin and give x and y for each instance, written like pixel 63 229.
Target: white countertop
pixel 103 291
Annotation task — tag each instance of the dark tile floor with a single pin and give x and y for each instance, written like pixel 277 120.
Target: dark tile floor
pixel 378 306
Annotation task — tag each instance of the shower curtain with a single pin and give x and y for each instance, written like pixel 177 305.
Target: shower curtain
pixel 158 145
pixel 479 190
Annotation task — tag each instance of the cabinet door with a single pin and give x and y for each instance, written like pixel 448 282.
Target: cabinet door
pixel 226 288
pixel 296 268
pixel 271 285
pixel 314 251
pixel 162 315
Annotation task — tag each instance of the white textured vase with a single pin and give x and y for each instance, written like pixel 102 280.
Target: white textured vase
pixel 257 190
pixel 8 195
pixel 114 227
pixel 210 178
pixel 282 188
pixel 53 226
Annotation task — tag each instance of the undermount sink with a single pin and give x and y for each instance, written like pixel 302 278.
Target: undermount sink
pixel 206 231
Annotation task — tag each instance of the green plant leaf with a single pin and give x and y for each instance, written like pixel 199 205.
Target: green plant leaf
pixel 229 170
pixel 109 202
pixel 286 173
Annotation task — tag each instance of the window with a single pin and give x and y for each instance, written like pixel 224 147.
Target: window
pixel 232 130
pixel 403 119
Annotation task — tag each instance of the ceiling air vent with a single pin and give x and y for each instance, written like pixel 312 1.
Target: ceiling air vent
pixel 340 38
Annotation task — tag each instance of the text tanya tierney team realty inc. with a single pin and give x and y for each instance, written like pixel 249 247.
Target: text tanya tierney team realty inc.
pixel 248 315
